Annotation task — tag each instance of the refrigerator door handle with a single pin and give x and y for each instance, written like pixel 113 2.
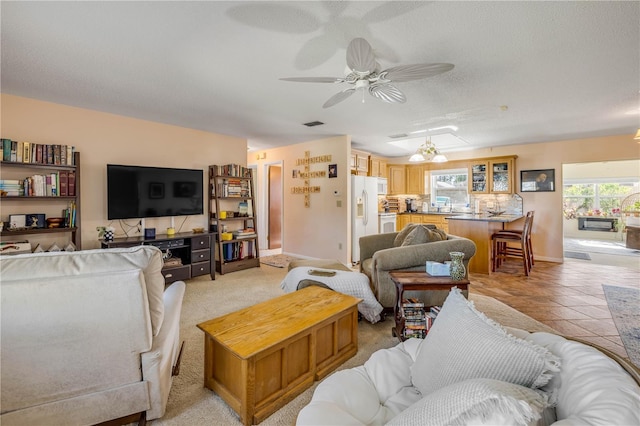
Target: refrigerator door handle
pixel 366 211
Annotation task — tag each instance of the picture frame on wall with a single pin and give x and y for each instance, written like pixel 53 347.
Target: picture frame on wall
pixel 543 180
pixel 333 171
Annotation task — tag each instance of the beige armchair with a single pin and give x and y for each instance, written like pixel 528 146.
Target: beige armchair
pixel 380 254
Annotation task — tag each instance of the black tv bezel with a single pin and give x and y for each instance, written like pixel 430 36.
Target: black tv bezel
pixel 160 169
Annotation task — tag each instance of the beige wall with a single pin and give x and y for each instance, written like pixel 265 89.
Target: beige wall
pixel 322 230
pixel 107 138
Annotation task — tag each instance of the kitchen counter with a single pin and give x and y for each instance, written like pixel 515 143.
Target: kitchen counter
pixel 503 218
pixel 438 213
pixel 479 229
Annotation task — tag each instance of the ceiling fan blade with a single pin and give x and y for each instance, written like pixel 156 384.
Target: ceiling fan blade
pixel 360 57
pixel 388 93
pixel 314 79
pixel 339 97
pixel 414 71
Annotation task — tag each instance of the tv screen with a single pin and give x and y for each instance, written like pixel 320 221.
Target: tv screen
pixel 141 192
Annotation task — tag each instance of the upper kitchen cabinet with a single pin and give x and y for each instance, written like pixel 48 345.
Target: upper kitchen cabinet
pixel 492 176
pixel 359 163
pixel 396 176
pixel 415 179
pixel 377 167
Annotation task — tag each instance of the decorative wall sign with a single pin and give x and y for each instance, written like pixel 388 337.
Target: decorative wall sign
pixel 307 174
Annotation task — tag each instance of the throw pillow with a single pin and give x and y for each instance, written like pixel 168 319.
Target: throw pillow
pixel 422 234
pixel 464 344
pixel 478 402
pixel 416 233
pixel 397 242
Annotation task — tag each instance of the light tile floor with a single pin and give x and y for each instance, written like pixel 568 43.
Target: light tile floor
pixel 566 296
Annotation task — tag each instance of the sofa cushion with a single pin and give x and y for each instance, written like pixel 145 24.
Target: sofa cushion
pixel 61 264
pixel 591 388
pixel 462 334
pixel 478 402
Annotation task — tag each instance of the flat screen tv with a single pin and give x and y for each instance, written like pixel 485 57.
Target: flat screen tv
pixel 140 192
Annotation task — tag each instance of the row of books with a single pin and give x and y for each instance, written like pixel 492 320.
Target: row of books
pixel 239 250
pixel 230 170
pixel 69 215
pixel 37 153
pixel 417 320
pixel 234 188
pixel 57 184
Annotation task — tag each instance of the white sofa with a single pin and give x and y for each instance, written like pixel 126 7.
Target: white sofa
pixel 87 336
pixel 464 380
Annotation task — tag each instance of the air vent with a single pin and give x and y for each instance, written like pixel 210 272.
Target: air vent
pixel 399 136
pixel 314 123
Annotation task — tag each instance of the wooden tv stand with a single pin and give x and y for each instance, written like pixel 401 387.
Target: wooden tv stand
pixel 195 252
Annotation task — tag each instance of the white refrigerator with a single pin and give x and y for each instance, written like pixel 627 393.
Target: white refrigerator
pixel 364 211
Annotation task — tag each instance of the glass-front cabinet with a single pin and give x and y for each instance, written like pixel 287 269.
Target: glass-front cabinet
pixel 501 176
pixel 492 176
pixel 479 177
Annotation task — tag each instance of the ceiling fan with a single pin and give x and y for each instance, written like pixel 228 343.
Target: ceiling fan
pixel 363 72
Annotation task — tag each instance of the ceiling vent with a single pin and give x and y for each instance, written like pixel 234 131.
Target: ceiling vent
pixel 314 123
pixel 399 136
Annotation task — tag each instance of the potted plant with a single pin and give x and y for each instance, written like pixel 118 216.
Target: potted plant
pixel 106 231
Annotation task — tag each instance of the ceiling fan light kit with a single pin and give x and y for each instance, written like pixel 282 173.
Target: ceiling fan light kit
pixel 363 72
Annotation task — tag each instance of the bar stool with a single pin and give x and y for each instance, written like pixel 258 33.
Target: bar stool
pixel 501 248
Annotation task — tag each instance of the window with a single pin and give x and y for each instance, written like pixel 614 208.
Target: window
pixel 449 188
pixel 599 196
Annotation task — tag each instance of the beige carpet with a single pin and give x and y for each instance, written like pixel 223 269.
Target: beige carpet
pixel 190 403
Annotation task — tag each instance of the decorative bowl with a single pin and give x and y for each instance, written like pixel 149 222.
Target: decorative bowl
pixel 55 222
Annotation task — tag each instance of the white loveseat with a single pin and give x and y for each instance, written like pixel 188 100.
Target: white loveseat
pixel 87 336
pixel 483 374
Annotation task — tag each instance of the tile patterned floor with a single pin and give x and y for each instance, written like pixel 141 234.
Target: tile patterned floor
pixel 565 296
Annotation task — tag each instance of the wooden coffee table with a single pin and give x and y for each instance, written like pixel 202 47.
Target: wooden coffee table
pixel 418 281
pixel 261 357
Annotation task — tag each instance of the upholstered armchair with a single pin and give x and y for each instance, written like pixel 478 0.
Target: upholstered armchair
pixel 382 253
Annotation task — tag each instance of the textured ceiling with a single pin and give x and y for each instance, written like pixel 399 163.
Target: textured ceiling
pixel 524 71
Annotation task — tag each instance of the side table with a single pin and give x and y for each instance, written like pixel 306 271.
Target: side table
pixel 417 281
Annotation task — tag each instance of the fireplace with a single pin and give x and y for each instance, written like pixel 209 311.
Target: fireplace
pixel 606 224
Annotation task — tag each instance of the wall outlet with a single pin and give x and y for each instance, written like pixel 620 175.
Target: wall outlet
pixel 338 203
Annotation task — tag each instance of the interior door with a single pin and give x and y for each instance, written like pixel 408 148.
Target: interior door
pixel 274 237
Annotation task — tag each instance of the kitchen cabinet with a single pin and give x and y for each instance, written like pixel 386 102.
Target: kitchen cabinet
pixel 415 179
pixel 402 220
pixel 492 176
pixel 377 167
pixel 359 163
pixel 396 178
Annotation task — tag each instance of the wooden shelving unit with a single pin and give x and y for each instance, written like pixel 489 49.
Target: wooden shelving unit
pixel 232 217
pixel 19 204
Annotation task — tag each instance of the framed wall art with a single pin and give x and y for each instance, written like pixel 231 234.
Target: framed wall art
pixel 543 180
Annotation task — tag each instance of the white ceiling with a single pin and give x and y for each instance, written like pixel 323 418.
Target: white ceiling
pixel 524 71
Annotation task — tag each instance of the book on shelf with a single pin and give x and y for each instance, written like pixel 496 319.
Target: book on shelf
pixel 36 153
pixel 230 170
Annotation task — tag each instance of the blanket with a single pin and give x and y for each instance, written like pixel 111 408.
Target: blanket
pixel 354 284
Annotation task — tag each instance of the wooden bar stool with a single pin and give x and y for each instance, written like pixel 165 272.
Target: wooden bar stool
pixel 513 243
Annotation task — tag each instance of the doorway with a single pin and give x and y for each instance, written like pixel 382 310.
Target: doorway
pixel 593 228
pixel 274 206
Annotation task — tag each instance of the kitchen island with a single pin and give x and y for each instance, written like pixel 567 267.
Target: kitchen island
pixel 479 228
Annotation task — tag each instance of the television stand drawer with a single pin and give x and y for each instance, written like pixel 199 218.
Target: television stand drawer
pixel 178 273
